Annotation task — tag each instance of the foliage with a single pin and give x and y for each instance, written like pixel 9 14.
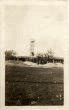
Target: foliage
pixel 9 54
pixel 50 53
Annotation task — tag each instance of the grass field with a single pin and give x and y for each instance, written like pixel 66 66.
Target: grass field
pixel 33 86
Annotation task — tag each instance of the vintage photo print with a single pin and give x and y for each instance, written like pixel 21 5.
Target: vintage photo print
pixel 34 54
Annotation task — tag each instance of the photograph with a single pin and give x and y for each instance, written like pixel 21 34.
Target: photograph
pixel 34 54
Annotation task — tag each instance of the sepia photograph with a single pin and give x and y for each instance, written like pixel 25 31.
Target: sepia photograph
pixel 34 54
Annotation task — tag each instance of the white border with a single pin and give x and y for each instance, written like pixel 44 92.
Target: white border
pixel 66 69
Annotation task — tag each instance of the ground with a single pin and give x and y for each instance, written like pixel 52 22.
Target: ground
pixel 25 85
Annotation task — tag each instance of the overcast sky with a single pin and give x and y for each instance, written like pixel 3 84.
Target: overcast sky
pixel 44 24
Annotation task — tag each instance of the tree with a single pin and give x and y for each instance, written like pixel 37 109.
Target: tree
pixel 9 54
pixel 50 53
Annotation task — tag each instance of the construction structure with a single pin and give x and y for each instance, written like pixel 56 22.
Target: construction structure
pixel 32 46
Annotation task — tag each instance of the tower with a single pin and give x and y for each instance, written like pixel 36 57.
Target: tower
pixel 32 42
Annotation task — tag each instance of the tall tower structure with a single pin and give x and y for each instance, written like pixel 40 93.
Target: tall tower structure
pixel 32 45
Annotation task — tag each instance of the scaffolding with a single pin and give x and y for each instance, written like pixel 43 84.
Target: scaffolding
pixel 32 46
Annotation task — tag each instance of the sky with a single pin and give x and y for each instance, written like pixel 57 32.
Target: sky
pixel 45 24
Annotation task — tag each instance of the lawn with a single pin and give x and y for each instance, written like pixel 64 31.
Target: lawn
pixel 33 86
